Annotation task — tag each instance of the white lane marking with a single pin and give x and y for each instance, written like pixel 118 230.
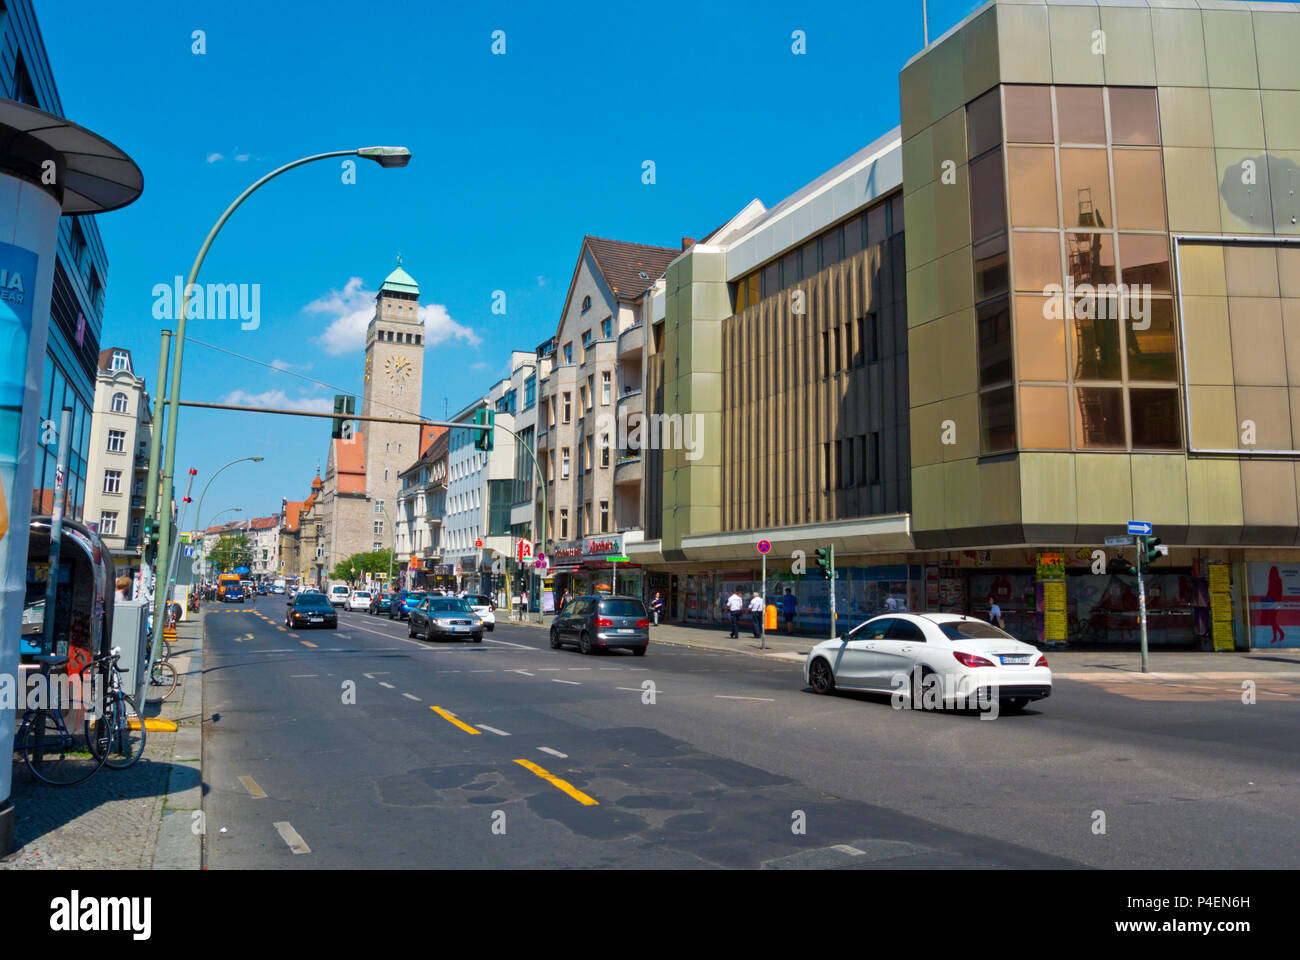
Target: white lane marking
pixel 298 676
pixel 388 685
pixel 548 668
pixel 448 671
pixel 254 791
pixel 580 668
pixel 554 753
pixel 634 689
pixel 611 668
pixel 411 696
pixel 719 696
pixel 572 683
pixel 524 672
pixel 290 836
pixel 499 733
pixel 851 851
pixel 480 671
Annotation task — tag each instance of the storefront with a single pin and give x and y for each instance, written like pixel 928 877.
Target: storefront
pixel 565 570
pixel 597 575
pixel 1274 605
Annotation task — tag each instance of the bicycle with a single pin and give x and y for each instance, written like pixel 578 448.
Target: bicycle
pixel 59 758
pixel 124 732
pixel 162 679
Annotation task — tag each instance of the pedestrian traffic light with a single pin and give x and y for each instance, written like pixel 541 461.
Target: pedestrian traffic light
pixel 483 438
pixel 1155 550
pixel 1121 567
pixel 826 560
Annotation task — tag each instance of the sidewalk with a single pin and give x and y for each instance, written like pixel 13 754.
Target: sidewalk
pixel 1066 664
pixel 133 819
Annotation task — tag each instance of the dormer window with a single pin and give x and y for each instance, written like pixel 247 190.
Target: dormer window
pixel 586 304
pixel 121 360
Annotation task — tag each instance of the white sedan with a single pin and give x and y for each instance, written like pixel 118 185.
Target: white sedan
pixel 483 607
pixel 932 659
pixel 360 600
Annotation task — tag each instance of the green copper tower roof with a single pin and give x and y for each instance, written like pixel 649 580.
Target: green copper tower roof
pixel 399 281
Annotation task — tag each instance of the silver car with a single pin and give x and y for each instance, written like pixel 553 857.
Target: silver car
pixel 602 623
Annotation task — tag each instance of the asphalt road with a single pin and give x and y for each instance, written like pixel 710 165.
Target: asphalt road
pixel 326 742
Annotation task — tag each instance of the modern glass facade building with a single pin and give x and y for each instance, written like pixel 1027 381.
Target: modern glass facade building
pixel 81 269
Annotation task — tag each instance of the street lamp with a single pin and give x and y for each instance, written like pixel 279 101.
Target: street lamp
pixel 203 551
pixel 388 157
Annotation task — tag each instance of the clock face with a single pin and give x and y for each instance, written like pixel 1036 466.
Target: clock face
pixel 398 370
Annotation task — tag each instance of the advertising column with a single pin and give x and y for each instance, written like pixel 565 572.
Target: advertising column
pixel 26 276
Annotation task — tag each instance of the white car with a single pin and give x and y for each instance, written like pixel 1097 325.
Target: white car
pixel 483 608
pixel 360 600
pixel 932 659
pixel 339 594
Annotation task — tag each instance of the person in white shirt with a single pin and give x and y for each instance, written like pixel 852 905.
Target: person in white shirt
pixel 756 614
pixel 734 606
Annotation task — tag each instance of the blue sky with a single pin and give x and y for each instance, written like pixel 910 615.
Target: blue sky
pixel 516 157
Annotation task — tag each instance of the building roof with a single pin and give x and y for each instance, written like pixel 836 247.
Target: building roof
pixel 399 281
pixel 263 523
pixel 350 464
pixel 105 362
pixel 622 263
pixel 292 514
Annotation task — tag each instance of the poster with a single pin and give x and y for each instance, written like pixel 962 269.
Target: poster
pixel 1220 606
pixel 1274 604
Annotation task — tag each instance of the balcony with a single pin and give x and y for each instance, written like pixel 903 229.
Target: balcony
pixel 628 469
pixel 631 341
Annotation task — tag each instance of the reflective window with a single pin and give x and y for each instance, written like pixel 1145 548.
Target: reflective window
pixel 1037 260
pixel 1094 346
pixel 1085 188
pixel 1029 114
pixel 1153 352
pixel 1090 257
pixel 1155 419
pixel 789 269
pixel 984 123
pixel 832 248
pixel 877 222
pixel 1145 260
pixel 808 256
pixel 1099 417
pixel 991 273
pixel 1080 115
pixel 1139 189
pixel 1040 338
pixel 997 420
pixel 994 325
pixel 988 204
pixel 1045 417
pixel 1133 116
pixel 854 236
pixel 1031 171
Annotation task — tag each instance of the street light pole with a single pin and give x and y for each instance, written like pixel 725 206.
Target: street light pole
pixel 385 157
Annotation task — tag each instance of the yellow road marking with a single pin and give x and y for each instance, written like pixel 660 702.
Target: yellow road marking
pixel 559 784
pixel 450 719
pixel 282 629
pixel 292 634
pixel 306 643
pixel 157 724
pixel 254 791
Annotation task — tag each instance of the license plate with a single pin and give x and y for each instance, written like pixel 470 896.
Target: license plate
pixel 461 629
pixel 625 630
pixel 316 620
pixel 1011 659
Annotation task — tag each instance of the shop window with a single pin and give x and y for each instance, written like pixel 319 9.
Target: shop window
pixel 1133 116
pixel 1080 114
pixel 1155 421
pixel 1031 172
pixel 1029 114
pixel 1085 188
pixel 1099 417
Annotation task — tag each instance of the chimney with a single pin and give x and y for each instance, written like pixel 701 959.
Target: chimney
pixel 687 242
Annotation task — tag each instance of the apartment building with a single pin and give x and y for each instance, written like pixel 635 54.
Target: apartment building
pixel 591 401
pixel 264 537
pixel 118 442
pixel 421 507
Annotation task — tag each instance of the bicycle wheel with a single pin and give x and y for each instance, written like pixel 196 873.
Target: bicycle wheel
pixel 162 681
pixel 167 649
pixel 53 754
pixel 124 733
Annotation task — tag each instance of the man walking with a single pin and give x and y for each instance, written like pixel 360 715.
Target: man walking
pixel 657 606
pixel 734 606
pixel 756 606
pixel 788 604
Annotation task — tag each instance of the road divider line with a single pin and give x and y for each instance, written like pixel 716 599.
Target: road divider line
pixel 299 676
pixel 553 752
pixel 254 791
pixel 562 785
pixel 499 733
pixel 384 683
pixel 411 696
pixel 450 718
pixel 719 696
pixel 572 683
pixel 290 836
pixel 307 643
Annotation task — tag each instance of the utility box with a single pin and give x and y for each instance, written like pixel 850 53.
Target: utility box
pixel 130 619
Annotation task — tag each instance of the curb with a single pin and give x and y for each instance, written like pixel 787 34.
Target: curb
pixel 180 835
pixel 747 650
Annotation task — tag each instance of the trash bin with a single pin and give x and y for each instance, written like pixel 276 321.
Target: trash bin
pixel 769 617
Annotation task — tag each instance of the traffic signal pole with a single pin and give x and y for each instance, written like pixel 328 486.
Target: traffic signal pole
pixel 1142 601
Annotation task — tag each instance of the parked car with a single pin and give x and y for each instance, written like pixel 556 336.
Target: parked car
pixel 339 594
pixel 380 602
pixel 360 600
pixel 899 653
pixel 404 602
pixel 444 618
pixel 602 623
pixel 311 610
pixel 483 607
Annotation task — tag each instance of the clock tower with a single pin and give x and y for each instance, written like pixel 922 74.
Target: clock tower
pixel 394 378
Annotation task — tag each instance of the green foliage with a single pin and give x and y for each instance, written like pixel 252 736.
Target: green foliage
pixel 359 565
pixel 231 552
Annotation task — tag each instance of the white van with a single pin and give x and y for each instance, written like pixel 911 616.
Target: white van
pixel 339 594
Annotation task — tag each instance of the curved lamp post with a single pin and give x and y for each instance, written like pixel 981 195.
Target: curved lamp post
pixel 388 157
pixel 211 520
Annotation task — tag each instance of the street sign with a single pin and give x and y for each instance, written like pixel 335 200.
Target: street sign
pixel 1139 528
pixel 1119 541
pixel 616 559
pixel 524 551
pixel 764 546
pixel 540 562
pixel 478 543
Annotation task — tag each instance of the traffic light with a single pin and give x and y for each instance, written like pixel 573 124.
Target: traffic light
pixel 483 438
pixel 1121 567
pixel 826 560
pixel 344 406
pixel 1155 550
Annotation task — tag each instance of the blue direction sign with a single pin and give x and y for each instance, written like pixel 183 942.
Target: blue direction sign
pixel 1139 528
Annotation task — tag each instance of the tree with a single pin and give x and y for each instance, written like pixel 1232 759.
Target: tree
pixel 359 565
pixel 231 552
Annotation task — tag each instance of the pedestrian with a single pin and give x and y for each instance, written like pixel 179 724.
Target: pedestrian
pixel 756 606
pixel 995 613
pixel 523 602
pixel 788 605
pixel 891 604
pixel 123 591
pixel 657 606
pixel 734 606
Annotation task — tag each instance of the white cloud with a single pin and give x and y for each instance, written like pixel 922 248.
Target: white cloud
pixel 241 158
pixel 214 157
pixel 279 364
pixel 349 311
pixel 278 398
pixel 481 365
